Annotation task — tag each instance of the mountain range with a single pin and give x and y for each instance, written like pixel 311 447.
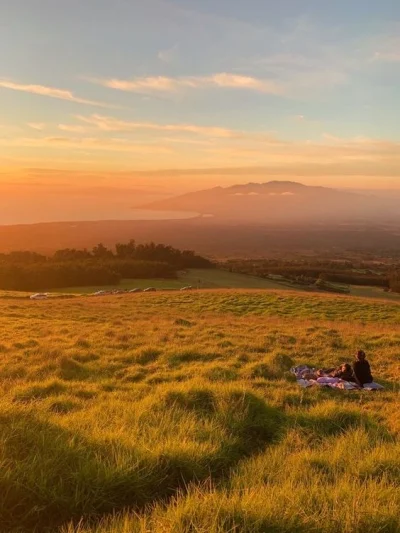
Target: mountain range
pixel 282 202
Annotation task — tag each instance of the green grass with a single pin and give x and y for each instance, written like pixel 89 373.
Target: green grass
pixel 199 278
pixel 176 412
pixel 220 279
pixel 373 292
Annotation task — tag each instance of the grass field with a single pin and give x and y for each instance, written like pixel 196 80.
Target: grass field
pixel 201 278
pixel 373 292
pixel 220 279
pixel 176 412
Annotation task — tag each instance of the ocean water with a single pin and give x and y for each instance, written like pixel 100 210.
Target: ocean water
pixel 38 212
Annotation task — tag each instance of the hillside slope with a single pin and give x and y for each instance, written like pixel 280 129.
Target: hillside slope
pixel 282 202
pixel 185 402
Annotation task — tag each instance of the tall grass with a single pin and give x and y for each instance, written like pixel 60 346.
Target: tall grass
pixel 178 413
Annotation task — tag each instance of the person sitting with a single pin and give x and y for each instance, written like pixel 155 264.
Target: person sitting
pixel 362 369
pixel 344 372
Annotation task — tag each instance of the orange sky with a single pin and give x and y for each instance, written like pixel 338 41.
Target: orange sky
pixel 210 93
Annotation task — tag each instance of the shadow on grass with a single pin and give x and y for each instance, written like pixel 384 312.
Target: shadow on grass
pixel 51 476
pixel 327 420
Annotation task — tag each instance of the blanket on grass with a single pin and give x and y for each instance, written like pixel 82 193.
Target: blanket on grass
pixel 327 381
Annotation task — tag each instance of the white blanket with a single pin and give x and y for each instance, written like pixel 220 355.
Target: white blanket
pixel 327 381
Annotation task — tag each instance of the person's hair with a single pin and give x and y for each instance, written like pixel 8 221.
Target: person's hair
pixel 361 353
pixel 347 366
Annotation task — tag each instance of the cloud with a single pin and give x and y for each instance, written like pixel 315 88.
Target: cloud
pixel 180 140
pixel 162 84
pixel 112 124
pixel 387 47
pixel 36 125
pixel 387 57
pixel 105 123
pixel 316 59
pixel 305 121
pixel 285 60
pixel 89 143
pixel 245 194
pixel 73 128
pixel 246 82
pixel 51 92
pixel 282 193
pixel 354 156
pixel 169 55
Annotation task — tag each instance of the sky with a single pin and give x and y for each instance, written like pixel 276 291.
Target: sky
pixel 174 95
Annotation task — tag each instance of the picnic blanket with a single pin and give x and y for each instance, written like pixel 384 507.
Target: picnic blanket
pixel 327 381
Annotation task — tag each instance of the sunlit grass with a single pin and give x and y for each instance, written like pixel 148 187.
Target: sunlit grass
pixel 177 412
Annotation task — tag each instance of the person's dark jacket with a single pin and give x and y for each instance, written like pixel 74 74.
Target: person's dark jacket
pixel 362 371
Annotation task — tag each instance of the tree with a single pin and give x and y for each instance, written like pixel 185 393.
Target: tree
pixel 126 251
pixel 101 252
pixel 394 281
pixel 70 254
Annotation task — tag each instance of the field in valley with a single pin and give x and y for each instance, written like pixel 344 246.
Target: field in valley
pixel 221 279
pixel 177 412
pixel 198 278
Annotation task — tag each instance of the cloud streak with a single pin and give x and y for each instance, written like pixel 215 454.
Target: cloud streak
pixel 210 133
pixel 223 80
pixel 51 92
pixel 169 55
pixel 72 128
pixel 87 143
pixel 39 126
pixel 330 156
pixel 387 57
pixel 112 124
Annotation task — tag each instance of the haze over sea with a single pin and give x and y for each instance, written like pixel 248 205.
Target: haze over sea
pixel 56 213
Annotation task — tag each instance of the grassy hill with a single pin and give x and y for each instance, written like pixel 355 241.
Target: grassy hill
pixel 176 412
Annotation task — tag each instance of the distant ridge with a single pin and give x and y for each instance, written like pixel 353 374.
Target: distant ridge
pixel 280 201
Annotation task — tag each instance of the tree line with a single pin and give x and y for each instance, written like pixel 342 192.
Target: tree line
pixel 395 281
pixel 30 271
pixel 331 271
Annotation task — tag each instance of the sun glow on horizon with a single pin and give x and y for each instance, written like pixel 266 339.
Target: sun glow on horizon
pixel 211 95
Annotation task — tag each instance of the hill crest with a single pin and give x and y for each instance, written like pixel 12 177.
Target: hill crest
pixel 281 201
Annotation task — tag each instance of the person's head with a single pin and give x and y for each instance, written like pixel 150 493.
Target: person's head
pixel 346 367
pixel 361 355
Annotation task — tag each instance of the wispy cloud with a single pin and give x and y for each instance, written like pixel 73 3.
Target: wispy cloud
pixel 88 143
pixel 39 126
pixel 162 84
pixel 299 74
pixel 112 124
pixel 185 140
pixel 51 92
pixel 330 156
pixel 169 55
pixel 73 128
pixel 387 57
pixel 387 47
pixel 329 152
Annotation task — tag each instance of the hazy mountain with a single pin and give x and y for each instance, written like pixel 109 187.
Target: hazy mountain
pixel 281 202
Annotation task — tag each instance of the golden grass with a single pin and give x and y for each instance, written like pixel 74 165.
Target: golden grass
pixel 175 413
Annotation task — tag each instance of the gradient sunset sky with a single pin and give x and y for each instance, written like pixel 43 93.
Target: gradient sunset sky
pixel 118 91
